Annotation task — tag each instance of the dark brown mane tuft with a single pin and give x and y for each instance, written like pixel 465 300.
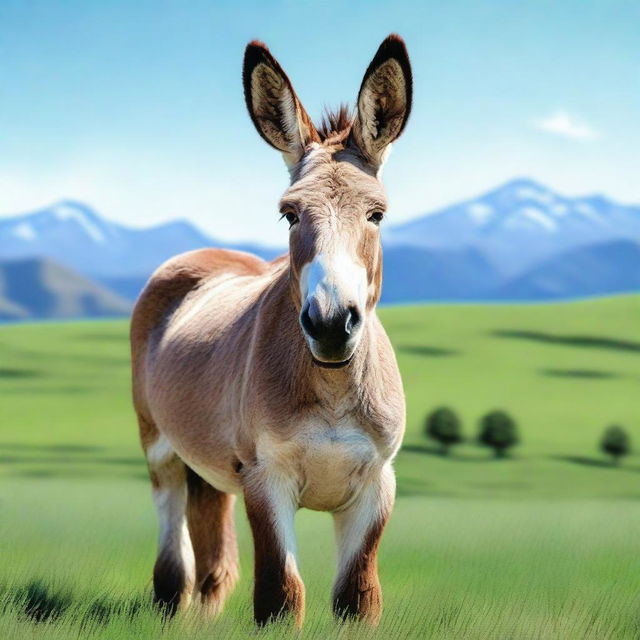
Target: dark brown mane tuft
pixel 335 123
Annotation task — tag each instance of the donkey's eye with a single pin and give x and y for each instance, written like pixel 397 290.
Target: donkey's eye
pixel 291 217
pixel 376 217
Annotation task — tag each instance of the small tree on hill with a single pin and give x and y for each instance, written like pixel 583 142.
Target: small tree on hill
pixel 615 442
pixel 444 426
pixel 499 431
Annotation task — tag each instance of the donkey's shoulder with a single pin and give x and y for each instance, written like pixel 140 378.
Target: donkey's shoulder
pixel 183 273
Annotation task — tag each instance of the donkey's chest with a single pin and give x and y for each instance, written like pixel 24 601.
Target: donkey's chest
pixel 330 462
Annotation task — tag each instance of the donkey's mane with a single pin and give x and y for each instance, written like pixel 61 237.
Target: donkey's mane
pixel 335 124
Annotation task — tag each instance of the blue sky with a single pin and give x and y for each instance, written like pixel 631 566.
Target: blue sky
pixel 137 108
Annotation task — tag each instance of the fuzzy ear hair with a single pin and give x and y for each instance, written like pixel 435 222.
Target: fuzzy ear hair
pixel 273 105
pixel 384 101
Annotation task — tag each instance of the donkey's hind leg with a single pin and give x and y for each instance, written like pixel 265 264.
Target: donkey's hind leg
pixel 212 529
pixel 174 570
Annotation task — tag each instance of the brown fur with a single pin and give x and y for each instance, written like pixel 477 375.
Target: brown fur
pixel 277 590
pixel 212 531
pixel 335 125
pixel 228 396
pixel 358 593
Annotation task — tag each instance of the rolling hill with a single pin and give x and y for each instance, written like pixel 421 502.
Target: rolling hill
pixel 612 267
pixel 41 288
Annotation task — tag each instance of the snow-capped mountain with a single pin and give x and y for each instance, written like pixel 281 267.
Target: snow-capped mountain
pixel 67 222
pixel 521 223
pixel 74 234
pixel 521 241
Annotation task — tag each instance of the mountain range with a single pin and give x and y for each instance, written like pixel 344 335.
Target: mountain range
pixel 521 241
pixel 521 223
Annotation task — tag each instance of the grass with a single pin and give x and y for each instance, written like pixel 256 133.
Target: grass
pixel 541 545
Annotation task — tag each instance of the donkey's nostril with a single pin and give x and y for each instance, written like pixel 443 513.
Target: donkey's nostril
pixel 307 324
pixel 332 331
pixel 352 321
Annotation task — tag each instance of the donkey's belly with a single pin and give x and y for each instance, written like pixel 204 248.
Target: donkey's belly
pixel 332 463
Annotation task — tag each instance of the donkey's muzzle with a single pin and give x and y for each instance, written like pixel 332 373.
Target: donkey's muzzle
pixel 332 334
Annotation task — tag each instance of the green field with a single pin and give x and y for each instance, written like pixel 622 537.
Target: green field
pixel 544 544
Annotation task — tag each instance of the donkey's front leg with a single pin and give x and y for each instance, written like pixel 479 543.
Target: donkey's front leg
pixel 356 592
pixel 271 501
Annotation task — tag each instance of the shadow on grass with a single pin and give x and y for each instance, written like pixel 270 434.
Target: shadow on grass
pixel 10 373
pixel 70 389
pixel 40 473
pixel 426 351
pixel 508 486
pixel 591 342
pixel 408 487
pixel 43 603
pixel 65 358
pixel 423 448
pixel 97 360
pixel 76 474
pixel 103 337
pixel 66 461
pixel 411 487
pixel 578 373
pixel 595 462
pixel 102 609
pixel 40 603
pixel 33 354
pixel 51 448
pixel 62 459
pixel 453 456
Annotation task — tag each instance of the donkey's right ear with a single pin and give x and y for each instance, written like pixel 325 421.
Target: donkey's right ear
pixel 273 105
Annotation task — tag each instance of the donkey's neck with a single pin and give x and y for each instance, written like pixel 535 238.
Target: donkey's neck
pixel 311 383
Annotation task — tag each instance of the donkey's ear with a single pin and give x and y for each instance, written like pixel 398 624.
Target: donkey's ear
pixel 384 101
pixel 273 105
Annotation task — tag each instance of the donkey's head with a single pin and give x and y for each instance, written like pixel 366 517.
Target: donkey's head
pixel 336 201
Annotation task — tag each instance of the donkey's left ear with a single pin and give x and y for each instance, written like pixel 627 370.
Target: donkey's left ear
pixel 273 105
pixel 384 101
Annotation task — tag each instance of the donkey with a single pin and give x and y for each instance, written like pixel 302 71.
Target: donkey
pixel 275 380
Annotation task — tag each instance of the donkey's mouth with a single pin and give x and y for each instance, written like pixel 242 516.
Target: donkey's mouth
pixel 332 365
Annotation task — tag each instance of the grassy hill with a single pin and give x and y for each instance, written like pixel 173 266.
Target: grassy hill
pixel 543 544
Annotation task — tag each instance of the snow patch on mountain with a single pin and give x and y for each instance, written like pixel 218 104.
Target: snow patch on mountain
pixel 559 209
pixel 538 217
pixel 587 210
pixel 480 212
pixel 24 231
pixel 67 212
pixel 536 194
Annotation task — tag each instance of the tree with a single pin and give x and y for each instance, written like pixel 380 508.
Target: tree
pixel 444 426
pixel 499 431
pixel 615 442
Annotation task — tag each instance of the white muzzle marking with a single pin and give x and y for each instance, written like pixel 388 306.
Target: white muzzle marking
pixel 332 282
